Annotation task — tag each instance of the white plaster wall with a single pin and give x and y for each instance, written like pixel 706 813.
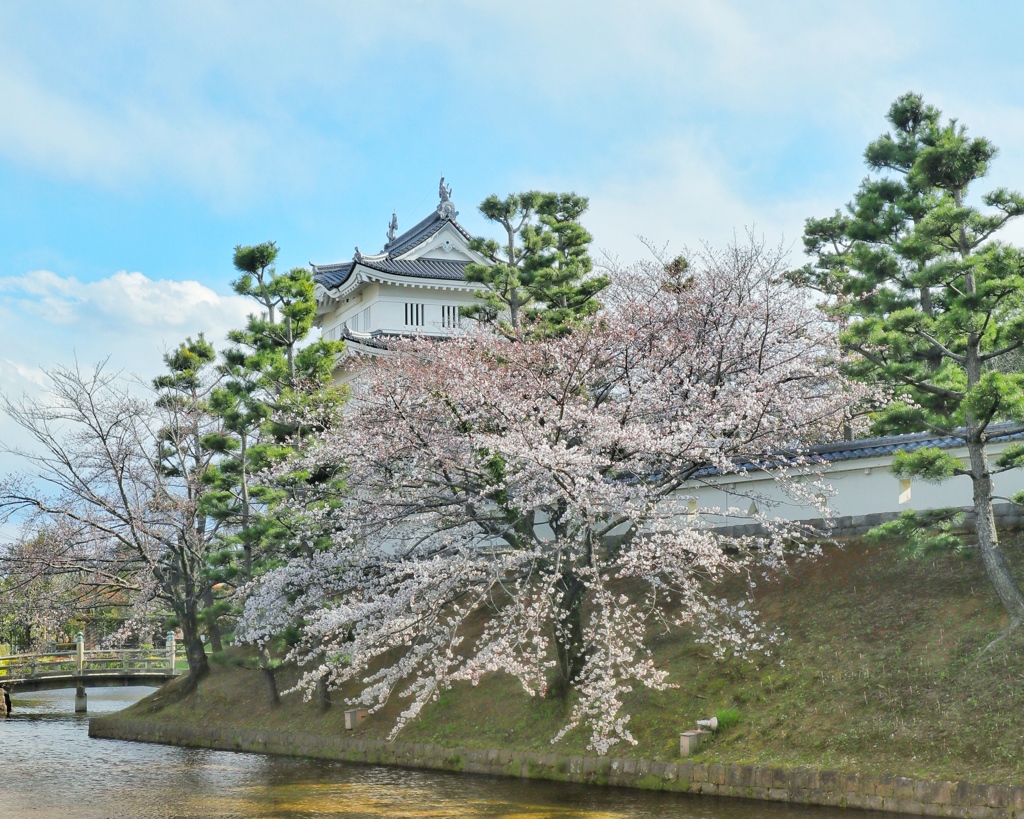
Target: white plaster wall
pixel 446 244
pixel 391 301
pixel 386 303
pixel 862 487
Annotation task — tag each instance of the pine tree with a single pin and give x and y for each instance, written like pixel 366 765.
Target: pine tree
pixel 933 304
pixel 268 375
pixel 538 277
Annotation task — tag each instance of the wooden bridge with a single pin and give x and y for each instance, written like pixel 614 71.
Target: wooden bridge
pixel 80 669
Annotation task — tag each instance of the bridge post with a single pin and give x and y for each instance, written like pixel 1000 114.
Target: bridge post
pixel 81 702
pixel 171 649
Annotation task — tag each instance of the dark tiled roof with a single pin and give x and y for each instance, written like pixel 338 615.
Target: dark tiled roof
pixel 376 339
pixel 443 269
pixel 334 275
pixel 875 447
pixel 331 275
pixel 420 233
pixel 421 268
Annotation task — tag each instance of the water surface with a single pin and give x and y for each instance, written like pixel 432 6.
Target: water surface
pixel 50 768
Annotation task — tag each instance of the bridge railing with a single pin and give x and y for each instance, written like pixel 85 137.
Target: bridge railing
pixel 32 665
pixel 83 662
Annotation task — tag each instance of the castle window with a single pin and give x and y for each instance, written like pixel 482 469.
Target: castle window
pixel 414 314
pixel 449 316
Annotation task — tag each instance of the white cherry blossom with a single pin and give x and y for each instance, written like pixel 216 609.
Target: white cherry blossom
pixel 520 506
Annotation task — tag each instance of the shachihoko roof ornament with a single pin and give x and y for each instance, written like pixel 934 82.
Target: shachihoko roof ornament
pixel 446 208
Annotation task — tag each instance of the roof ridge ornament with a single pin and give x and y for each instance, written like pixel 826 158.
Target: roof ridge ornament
pixel 446 209
pixel 393 227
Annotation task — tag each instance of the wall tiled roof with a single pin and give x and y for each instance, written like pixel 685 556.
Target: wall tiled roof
pixel 889 445
pixel 873 448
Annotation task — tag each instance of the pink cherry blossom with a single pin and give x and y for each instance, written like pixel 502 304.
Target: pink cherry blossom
pixel 522 506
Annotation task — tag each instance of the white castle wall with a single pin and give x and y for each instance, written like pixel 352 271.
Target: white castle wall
pixel 865 486
pixel 382 308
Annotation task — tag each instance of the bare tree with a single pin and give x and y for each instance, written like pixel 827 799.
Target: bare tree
pixel 118 477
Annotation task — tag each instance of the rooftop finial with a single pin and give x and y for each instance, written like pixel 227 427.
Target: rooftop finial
pixel 446 209
pixel 393 227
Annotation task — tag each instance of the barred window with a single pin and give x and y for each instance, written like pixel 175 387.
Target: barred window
pixel 449 316
pixel 414 314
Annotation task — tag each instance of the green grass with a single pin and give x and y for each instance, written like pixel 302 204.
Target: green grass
pixel 727 718
pixel 882 671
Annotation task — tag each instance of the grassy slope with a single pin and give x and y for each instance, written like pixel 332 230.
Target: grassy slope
pixel 882 672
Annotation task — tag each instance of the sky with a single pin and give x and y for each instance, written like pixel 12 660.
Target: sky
pixel 140 142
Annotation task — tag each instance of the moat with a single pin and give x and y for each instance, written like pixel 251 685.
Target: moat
pixel 50 768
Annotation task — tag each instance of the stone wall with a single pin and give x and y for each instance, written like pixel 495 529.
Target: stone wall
pixel 895 794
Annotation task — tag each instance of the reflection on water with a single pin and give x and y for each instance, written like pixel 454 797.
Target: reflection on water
pixel 50 768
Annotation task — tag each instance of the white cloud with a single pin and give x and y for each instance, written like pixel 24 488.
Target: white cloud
pixel 122 300
pixel 685 192
pixel 126 319
pixel 49 319
pixel 680 192
pixel 216 99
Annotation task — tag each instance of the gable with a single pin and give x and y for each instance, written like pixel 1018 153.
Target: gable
pixel 447 244
pixel 436 248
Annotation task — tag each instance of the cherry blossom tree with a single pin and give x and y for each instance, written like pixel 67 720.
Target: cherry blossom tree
pixel 520 506
pixel 45 599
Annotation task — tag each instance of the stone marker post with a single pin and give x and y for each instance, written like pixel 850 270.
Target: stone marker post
pixel 689 741
pixel 171 648
pixel 80 652
pixel 354 718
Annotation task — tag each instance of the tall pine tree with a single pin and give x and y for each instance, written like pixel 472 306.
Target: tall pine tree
pixel 269 375
pixel 932 303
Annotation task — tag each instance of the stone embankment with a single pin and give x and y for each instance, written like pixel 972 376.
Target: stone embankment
pixel 964 800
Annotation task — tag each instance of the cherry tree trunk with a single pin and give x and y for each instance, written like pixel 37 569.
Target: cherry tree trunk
pixel 569 636
pixel 269 675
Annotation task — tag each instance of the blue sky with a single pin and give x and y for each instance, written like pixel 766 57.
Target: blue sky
pixel 139 142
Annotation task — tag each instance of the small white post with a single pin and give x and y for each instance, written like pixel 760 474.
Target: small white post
pixel 171 648
pixel 80 651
